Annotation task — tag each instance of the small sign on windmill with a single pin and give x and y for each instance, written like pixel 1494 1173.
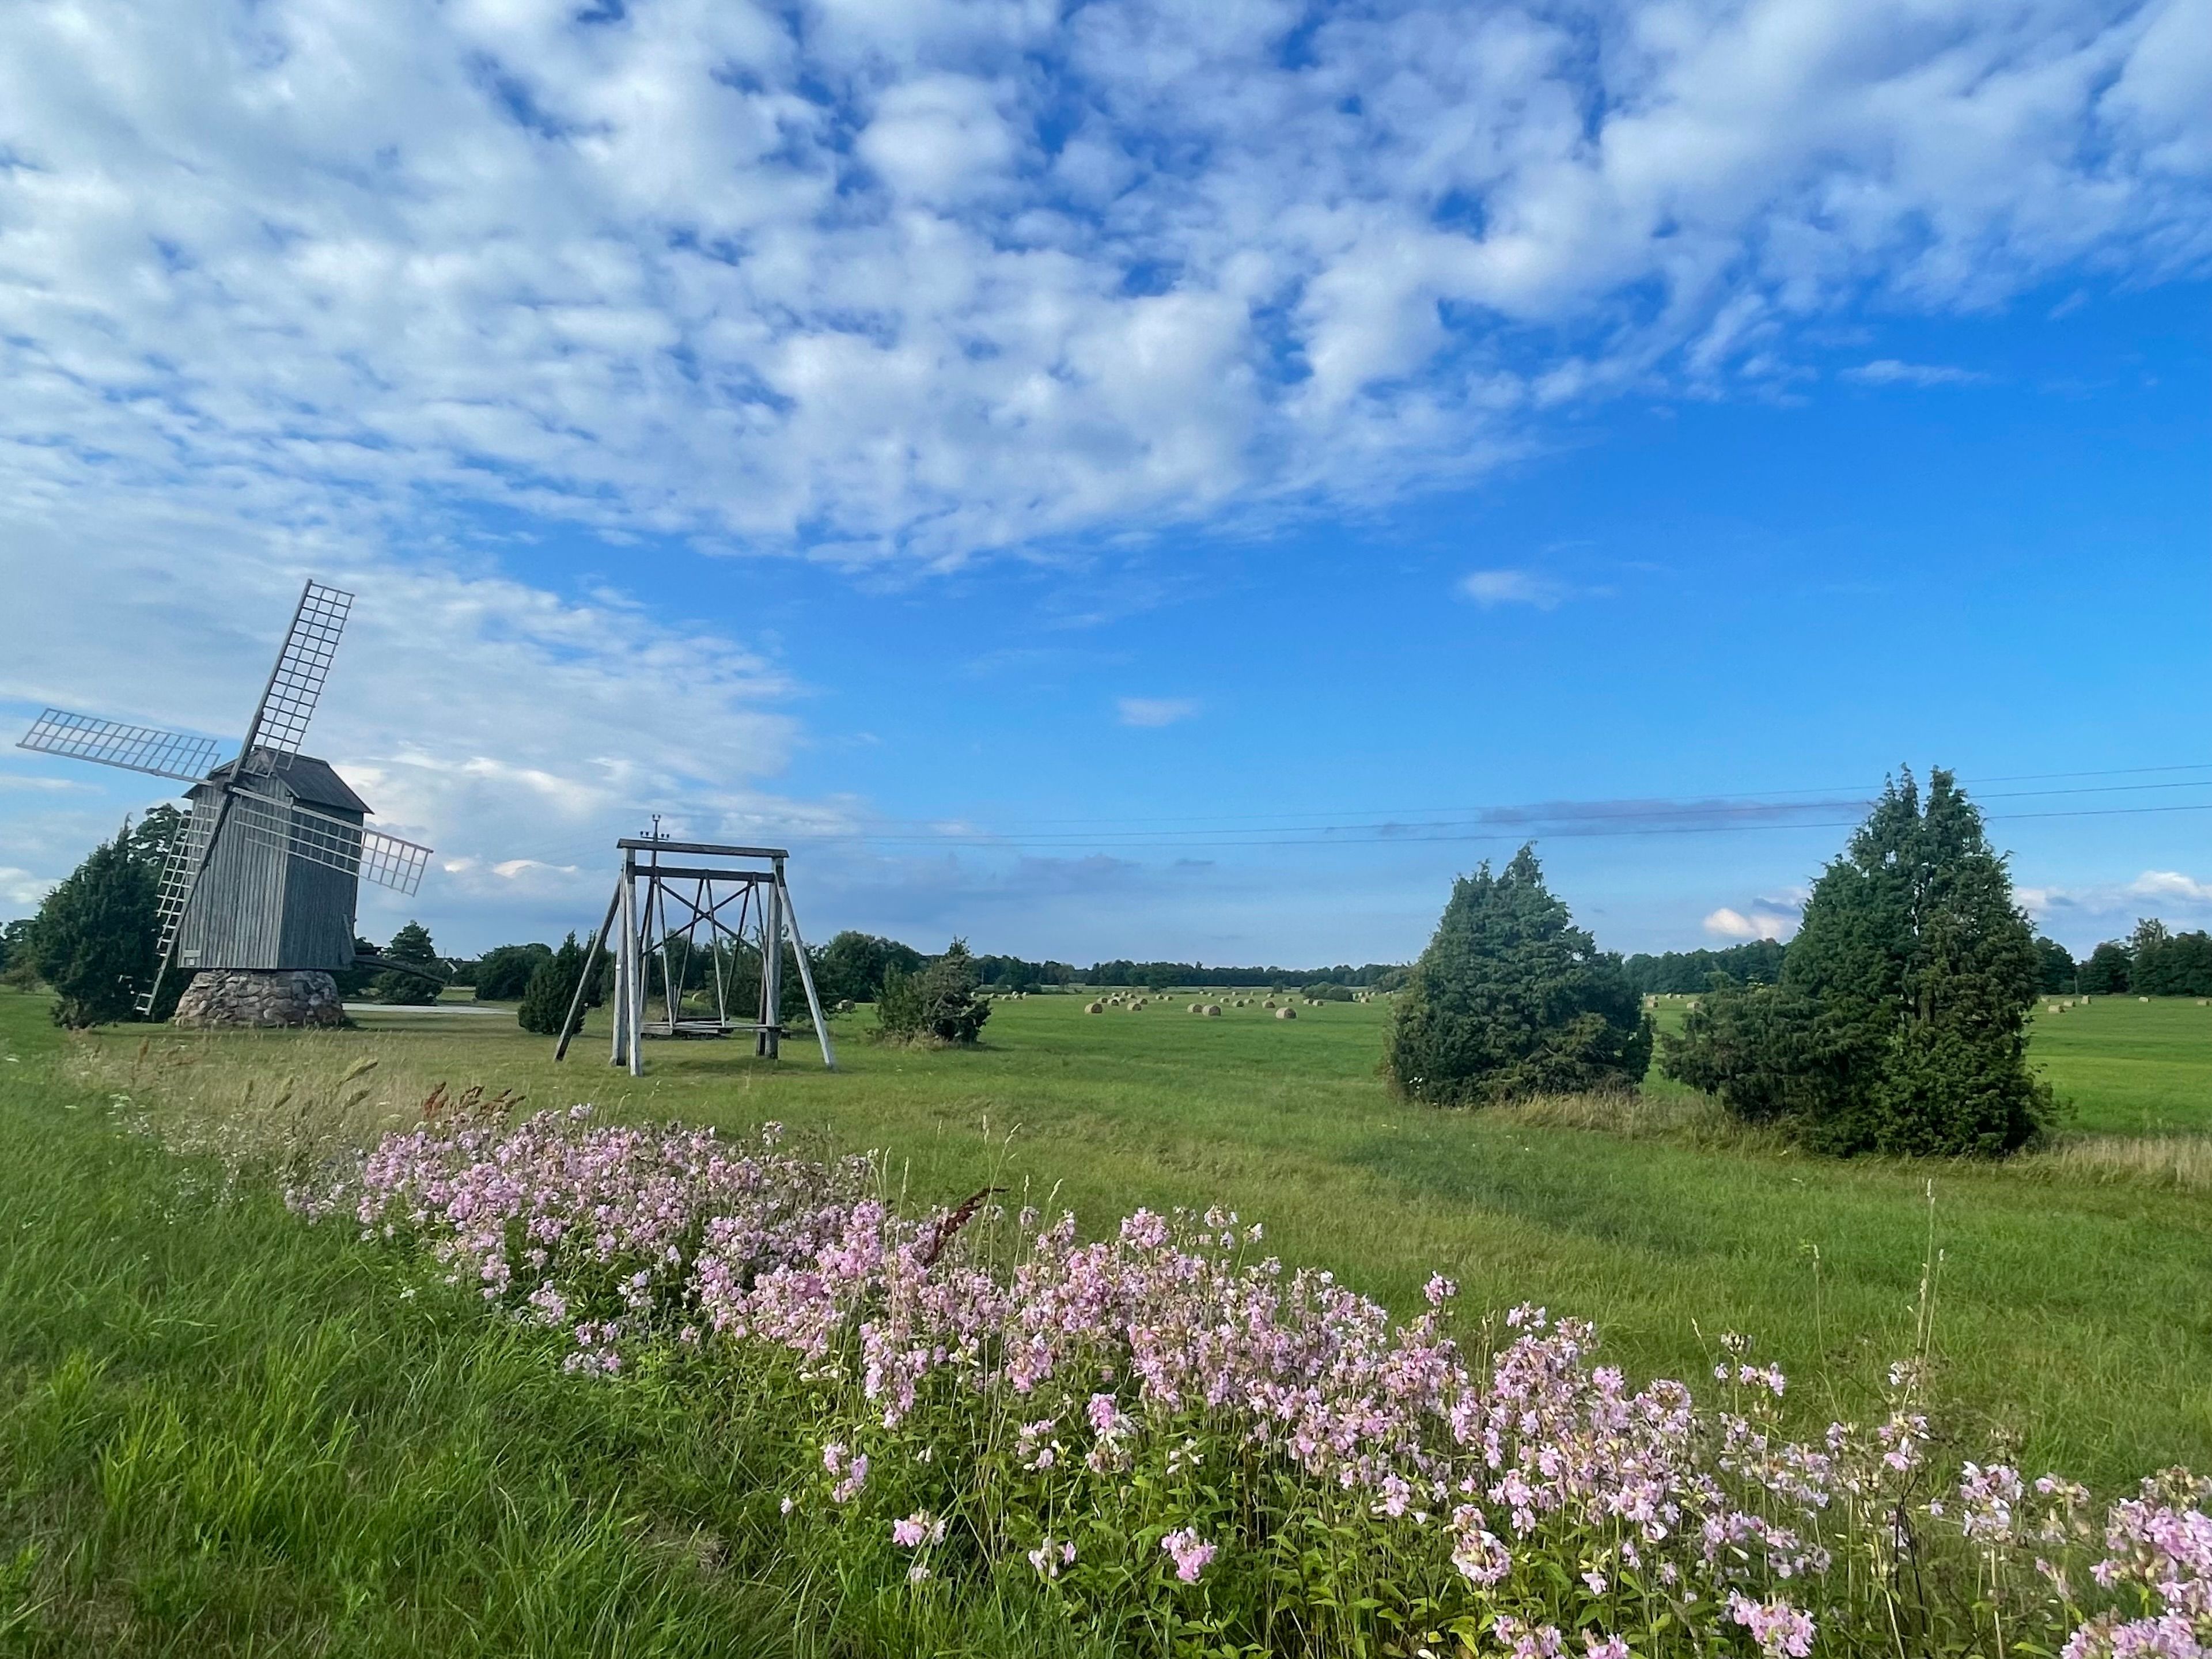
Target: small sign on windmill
pixel 259 888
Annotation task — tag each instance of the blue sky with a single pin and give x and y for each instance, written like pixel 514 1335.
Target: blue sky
pixel 1130 480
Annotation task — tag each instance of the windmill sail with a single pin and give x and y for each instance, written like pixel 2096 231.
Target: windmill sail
pixel 295 685
pixel 331 842
pixel 112 742
pixel 180 872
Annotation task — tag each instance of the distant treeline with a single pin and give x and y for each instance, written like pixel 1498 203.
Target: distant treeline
pixel 1165 975
pixel 1758 963
pixel 2152 962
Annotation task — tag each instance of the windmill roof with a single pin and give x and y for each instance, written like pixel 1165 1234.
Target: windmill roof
pixel 310 780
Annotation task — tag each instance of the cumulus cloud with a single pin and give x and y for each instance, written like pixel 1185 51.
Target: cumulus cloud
pixel 1733 924
pixel 1770 915
pixel 2167 892
pixel 1491 588
pixel 965 274
pixel 1156 711
pixel 22 891
pixel 516 730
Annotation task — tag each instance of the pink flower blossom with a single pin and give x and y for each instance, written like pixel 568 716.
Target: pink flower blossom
pixel 1191 1553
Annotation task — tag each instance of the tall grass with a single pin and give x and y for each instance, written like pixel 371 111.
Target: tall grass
pixel 1662 1221
pixel 224 1433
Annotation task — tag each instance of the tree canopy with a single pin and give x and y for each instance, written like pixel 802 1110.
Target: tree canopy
pixel 853 966
pixel 551 988
pixel 2106 974
pixel 95 939
pixel 1900 1022
pixel 1511 999
pixel 2054 963
pixel 504 972
pixel 938 1004
pixel 412 943
pixel 1755 962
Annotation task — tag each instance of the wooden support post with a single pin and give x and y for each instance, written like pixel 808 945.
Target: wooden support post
pixel 634 1003
pixel 806 971
pixel 771 973
pixel 574 1022
pixel 625 963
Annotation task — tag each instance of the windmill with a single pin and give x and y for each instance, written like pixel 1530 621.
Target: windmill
pixel 259 888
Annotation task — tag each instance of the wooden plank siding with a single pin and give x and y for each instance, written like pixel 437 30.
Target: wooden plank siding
pixel 256 906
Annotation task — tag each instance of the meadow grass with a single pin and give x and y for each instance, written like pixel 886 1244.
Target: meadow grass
pixel 2070 1326
pixel 222 1432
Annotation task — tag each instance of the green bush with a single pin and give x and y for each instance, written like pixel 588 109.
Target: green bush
pixel 1899 1025
pixel 938 1004
pixel 1511 999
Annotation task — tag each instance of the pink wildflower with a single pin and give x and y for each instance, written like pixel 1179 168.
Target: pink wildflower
pixel 1777 1627
pixel 1192 1553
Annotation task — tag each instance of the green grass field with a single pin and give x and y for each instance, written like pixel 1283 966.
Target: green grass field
pixel 2070 1318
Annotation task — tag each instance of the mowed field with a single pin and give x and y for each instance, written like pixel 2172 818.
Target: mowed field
pixel 2070 1324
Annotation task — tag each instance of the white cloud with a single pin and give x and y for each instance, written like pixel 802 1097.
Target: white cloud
pixel 1732 924
pixel 515 730
pixel 961 273
pixel 2171 885
pixel 1489 589
pixel 21 890
pixel 1888 371
pixel 2167 892
pixel 1156 711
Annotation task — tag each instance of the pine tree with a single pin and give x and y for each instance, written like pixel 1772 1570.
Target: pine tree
pixel 94 939
pixel 1899 1026
pixel 545 1000
pixel 1511 999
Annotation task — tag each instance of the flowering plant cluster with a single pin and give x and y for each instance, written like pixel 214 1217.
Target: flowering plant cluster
pixel 1179 1438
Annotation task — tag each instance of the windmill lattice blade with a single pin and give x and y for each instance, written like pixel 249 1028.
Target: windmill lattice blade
pixel 296 683
pixel 332 841
pixel 133 748
pixel 180 871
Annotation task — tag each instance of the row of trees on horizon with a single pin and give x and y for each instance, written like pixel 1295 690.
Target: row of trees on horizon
pixel 92 942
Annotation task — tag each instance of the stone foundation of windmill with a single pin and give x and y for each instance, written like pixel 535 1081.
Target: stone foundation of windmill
pixel 229 996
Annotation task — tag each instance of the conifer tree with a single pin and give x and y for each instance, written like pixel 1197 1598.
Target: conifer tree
pixel 552 987
pixel 937 1005
pixel 1511 999
pixel 95 939
pixel 1899 1025
pixel 410 944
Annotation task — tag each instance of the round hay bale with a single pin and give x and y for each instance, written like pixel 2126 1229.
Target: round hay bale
pixel 1269 1003
pixel 1193 1007
pixel 1286 1014
pixel 1214 1011
pixel 1094 1008
pixel 845 1005
pixel 2142 998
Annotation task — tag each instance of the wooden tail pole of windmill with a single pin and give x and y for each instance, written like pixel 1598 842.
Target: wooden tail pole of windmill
pixel 574 1022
